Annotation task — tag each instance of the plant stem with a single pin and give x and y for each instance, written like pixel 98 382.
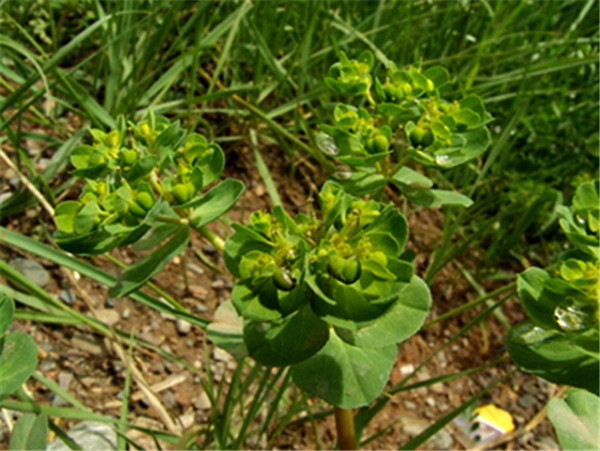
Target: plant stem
pixel 344 423
pixel 214 239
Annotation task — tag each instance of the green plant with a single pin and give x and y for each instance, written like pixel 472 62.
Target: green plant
pixel 18 352
pixel 144 185
pixel 330 294
pixel 407 119
pixel 560 343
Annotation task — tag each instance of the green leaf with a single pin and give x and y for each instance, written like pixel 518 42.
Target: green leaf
pixel 216 202
pixel 586 197
pixel 360 183
pixel 96 243
pixel 412 178
pixel 139 273
pixel 466 117
pixel 18 359
pixel 227 330
pixel 244 240
pixel 436 197
pixel 404 318
pixel 87 218
pixel 7 311
pixel 261 306
pixel 575 419
pixel 289 340
pixel 64 215
pixel 80 156
pixel 344 375
pixel 537 301
pixel 212 165
pixel 141 168
pixel 438 75
pixel 549 354
pixel 30 432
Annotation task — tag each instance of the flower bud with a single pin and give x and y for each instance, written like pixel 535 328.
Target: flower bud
pixel 283 280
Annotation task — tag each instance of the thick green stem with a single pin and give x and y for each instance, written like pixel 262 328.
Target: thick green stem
pixel 344 423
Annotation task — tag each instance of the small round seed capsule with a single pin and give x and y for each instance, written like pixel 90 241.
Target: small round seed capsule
pixel 381 143
pixel 144 200
pixel 421 137
pixel 181 193
pixel 283 280
pixel 352 271
pixel 336 266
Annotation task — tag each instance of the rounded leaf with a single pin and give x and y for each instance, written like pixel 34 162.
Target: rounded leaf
pixel 289 340
pixel 344 375
pixel 18 360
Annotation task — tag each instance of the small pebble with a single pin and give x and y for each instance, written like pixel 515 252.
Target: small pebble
pixel 430 401
pixel 67 297
pixel 198 292
pixel 32 270
pixel 409 405
pixel 200 308
pixel 222 355
pixel 183 327
pixel 195 268
pixel 218 284
pixel 209 249
pixel 47 365
pixel 169 399
pixel 109 303
pixel 441 440
pixel 405 370
pixel 108 316
pixel 526 401
pixel 201 402
pixel 126 313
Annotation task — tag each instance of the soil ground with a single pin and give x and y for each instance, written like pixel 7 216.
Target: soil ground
pixel 81 362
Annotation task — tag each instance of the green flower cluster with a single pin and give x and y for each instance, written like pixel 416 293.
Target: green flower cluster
pixel 406 118
pixel 343 269
pixel 409 108
pixel 135 177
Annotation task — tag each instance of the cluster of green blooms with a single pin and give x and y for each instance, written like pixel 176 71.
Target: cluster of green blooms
pixel 341 275
pixel 139 178
pixel 407 118
pixel 561 341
